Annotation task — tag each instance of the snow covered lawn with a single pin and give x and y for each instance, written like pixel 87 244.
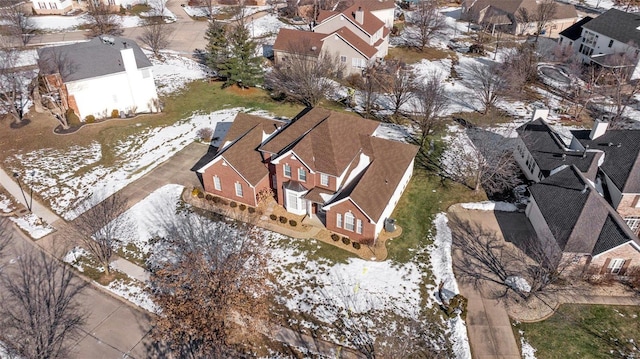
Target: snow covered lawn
pixel 311 285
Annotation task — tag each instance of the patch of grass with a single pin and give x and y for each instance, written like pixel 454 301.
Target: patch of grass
pixel 411 55
pixel 137 9
pixel 584 331
pixel 491 118
pixel 132 253
pixel 425 196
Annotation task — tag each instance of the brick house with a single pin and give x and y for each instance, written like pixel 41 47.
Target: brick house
pixel 587 191
pixel 356 35
pixel 323 164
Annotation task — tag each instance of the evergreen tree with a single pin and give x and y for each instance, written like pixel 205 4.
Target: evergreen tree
pixel 242 67
pixel 217 50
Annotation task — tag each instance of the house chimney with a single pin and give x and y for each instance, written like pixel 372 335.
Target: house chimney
pixel 359 15
pixel 128 59
pixel 542 113
pixel 599 129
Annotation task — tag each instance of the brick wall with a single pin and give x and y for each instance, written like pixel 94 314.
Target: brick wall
pixel 295 164
pixel 627 206
pixel 368 229
pixel 626 252
pixel 228 177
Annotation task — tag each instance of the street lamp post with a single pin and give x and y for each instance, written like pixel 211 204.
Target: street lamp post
pixel 29 203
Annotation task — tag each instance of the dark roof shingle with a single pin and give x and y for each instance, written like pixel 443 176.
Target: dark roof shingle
pixel 618 25
pixel 574 31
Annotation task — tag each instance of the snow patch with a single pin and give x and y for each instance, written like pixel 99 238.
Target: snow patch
pixel 491 206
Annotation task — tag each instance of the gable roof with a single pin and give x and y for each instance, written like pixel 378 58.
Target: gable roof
pixel 618 25
pixel 574 31
pixel 579 218
pixel 621 164
pixel 290 40
pixel 370 24
pixel 245 134
pixel 96 57
pixel 512 7
pixel 326 141
pixel 375 5
pixel 549 151
pixel 390 160
pixel 356 42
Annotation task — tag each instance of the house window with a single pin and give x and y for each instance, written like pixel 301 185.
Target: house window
pixel 610 43
pixel 216 183
pixel 287 170
pixel 302 175
pixel 615 265
pixel 42 5
pixel 359 226
pixel 324 179
pixel 292 200
pixel 633 222
pixel 349 221
pixel 361 63
pixel 343 59
pixel 112 2
pixel 339 220
pixel 238 189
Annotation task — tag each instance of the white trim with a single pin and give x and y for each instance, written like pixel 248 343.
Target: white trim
pixel 350 44
pixel 279 158
pixel 631 242
pixel 327 207
pixel 234 169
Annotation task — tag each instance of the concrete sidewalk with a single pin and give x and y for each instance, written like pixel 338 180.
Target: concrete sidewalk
pixel 8 182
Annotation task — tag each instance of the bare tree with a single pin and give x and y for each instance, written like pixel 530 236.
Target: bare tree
pixel 99 227
pixel 369 85
pixel 211 276
pixel 102 21
pixel 17 21
pixel 426 22
pixel 40 311
pixel 545 11
pixel 481 257
pixel 55 65
pixel 398 84
pixel 481 160
pixel 156 36
pixel 431 99
pixel 520 68
pixel 617 85
pixel 16 86
pixel 307 75
pixel 487 83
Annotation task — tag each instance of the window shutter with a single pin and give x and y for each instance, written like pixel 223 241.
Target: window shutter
pixel 623 270
pixel 605 267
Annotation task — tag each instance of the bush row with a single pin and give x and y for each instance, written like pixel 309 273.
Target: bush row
pixel 219 200
pixel 283 220
pixel 345 241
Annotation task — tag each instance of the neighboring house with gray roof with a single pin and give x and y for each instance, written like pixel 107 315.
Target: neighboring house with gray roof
pixel 574 220
pixel 587 195
pixel 99 76
pixel 611 39
pixel 516 16
pixel 328 166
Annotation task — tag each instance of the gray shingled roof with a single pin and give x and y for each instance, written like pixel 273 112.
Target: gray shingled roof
pixel 574 31
pixel 89 59
pixel 548 149
pixel 618 25
pixel 579 218
pixel 621 164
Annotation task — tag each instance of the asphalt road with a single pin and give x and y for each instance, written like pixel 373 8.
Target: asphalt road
pixel 114 328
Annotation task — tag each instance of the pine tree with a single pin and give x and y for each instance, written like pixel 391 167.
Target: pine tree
pixel 217 50
pixel 242 66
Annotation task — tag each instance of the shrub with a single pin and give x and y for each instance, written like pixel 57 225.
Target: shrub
pixel 242 207
pixel 209 197
pixel 90 119
pixel 283 219
pixel 200 194
pixel 195 191
pixel 205 133
pixel 335 237
pixel 115 113
pixel 72 119
pixel 216 199
pixel 356 245
pixel 293 223
pixel 346 240
pixel 233 204
pixel 273 217
pixel 252 210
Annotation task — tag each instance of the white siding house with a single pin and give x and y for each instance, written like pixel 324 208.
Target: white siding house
pixel 102 76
